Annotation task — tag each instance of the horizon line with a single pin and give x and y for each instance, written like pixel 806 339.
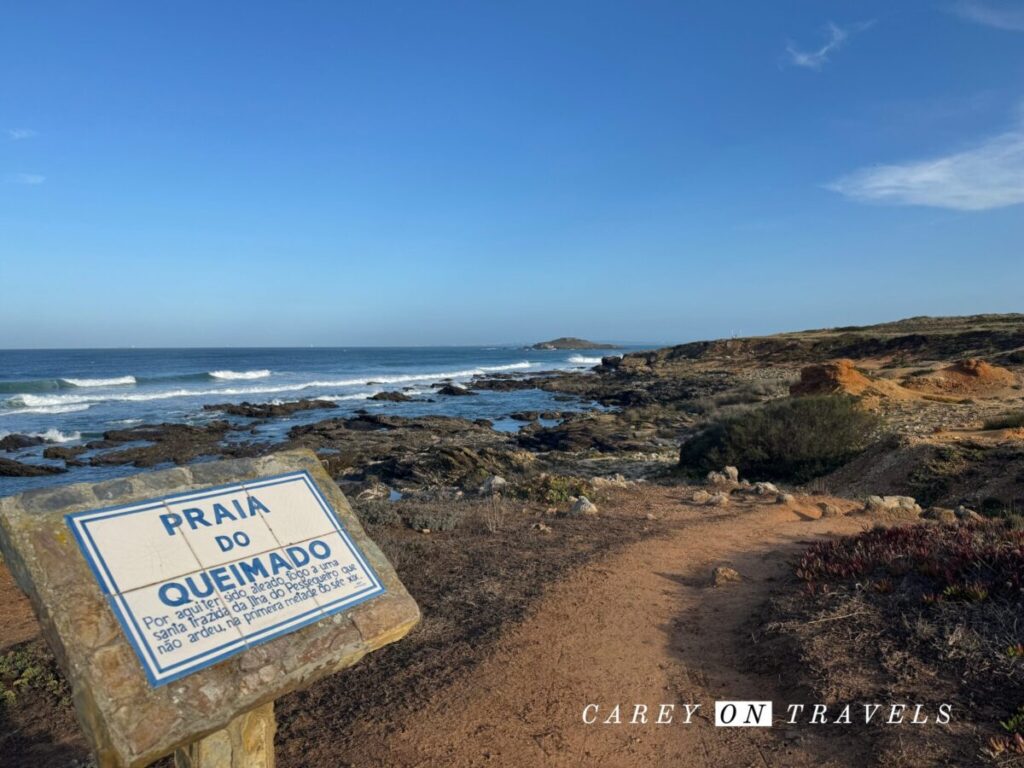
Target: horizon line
pixel 521 346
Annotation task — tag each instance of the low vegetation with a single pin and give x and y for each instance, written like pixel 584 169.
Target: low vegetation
pixel 933 563
pixel 795 439
pixel 28 668
pixel 1006 421
pixel 940 604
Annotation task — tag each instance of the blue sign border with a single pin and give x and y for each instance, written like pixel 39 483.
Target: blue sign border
pixel 159 675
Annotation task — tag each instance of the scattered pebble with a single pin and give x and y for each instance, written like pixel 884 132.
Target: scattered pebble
pixel 724 575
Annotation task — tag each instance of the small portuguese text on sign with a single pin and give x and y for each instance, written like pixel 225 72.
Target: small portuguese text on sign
pixel 195 578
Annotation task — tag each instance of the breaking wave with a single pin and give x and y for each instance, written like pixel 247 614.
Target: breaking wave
pixel 583 360
pixel 245 375
pixel 114 382
pixel 51 435
pixel 71 408
pixel 82 401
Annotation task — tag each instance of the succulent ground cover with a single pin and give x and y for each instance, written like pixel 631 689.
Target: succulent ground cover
pixel 932 611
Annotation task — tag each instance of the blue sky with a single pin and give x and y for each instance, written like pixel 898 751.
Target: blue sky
pixel 337 173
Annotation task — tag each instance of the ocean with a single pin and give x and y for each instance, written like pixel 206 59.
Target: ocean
pixel 70 397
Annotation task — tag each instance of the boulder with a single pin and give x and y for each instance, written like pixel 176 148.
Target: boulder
pixel 785 498
pixel 701 497
pixel 892 507
pixel 720 499
pixel 493 485
pixel 68 454
pixel 16 442
pixel 765 489
pixel 455 390
pixel 392 397
pixel 583 506
pixel 829 510
pixel 729 476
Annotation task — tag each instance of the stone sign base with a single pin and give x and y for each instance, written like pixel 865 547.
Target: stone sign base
pixel 247 742
pixel 221 708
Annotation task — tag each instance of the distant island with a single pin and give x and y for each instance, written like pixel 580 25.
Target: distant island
pixel 571 342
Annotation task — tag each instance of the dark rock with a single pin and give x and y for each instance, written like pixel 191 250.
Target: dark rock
pixel 11 443
pixel 424 451
pixel 365 424
pixel 69 454
pixel 604 432
pixel 454 390
pixel 503 383
pixel 269 410
pixel 392 397
pixel 11 468
pixel 177 443
pixel 525 416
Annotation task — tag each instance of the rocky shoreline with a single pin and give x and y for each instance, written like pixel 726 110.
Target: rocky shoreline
pixel 646 405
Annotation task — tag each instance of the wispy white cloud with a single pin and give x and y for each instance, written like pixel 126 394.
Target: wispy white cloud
pixel 26 178
pixel 816 59
pixel 999 15
pixel 988 175
pixel 17 134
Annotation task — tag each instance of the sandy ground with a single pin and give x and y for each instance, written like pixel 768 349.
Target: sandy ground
pixel 641 626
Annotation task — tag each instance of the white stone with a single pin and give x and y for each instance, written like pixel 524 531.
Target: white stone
pixel 583 506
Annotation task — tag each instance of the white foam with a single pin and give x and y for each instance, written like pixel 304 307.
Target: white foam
pixel 46 401
pixel 56 436
pixel 72 408
pixel 583 360
pixel 114 382
pixel 509 367
pixel 243 375
pixel 50 435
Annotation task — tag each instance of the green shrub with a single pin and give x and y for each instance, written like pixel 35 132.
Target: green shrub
pixel 556 489
pixel 440 516
pixel 794 439
pixel 1006 421
pixel 377 512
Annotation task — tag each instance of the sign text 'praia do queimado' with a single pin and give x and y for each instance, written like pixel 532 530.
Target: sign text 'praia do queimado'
pixel 195 578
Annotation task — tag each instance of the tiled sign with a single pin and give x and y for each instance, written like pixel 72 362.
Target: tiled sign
pixel 198 577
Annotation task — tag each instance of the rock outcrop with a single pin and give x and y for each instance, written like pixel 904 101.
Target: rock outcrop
pixel 392 397
pixel 453 390
pixel 11 468
pixel 966 377
pixel 16 442
pixel 269 410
